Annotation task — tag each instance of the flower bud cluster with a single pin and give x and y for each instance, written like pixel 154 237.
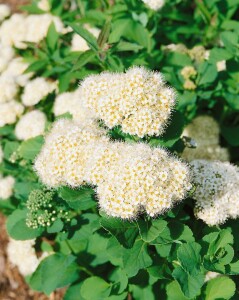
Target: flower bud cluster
pixel 42 209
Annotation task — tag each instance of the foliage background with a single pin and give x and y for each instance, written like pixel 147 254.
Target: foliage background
pixel 104 258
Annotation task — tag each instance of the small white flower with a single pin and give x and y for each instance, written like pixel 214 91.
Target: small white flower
pixel 154 4
pixel 44 5
pixel 30 125
pixel 22 254
pixel 221 66
pixel 9 112
pixel 37 89
pixel 4 11
pixel 6 187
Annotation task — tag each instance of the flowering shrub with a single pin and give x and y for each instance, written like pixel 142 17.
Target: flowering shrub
pixel 119 139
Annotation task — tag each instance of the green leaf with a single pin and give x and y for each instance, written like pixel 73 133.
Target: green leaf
pixel 81 199
pixel 54 272
pixel 127 46
pixel 17 228
pixel 57 226
pixel 10 148
pixel 190 284
pixel 136 258
pixel 52 37
pixel 189 257
pixel 174 292
pixel 86 35
pixel 220 288
pixel 150 229
pixel 124 231
pixel 231 134
pixel 95 288
pixel 230 41
pixel 83 59
pixel 219 54
pixel 73 292
pixel 23 189
pixel 207 73
pixel 29 149
pixel 37 66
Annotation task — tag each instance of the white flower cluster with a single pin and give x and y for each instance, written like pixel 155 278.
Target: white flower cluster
pixel 6 187
pixel 154 4
pixel 6 55
pixel 79 44
pixel 206 132
pixel 9 112
pixel 72 102
pixel 44 5
pixel 66 152
pixel 36 89
pixel 30 125
pixel 4 11
pixel 31 28
pixel 217 191
pixel 129 178
pixel 22 254
pixel 138 100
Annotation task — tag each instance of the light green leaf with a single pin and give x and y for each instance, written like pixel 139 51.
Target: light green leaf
pixel 29 149
pixel 220 288
pixel 95 288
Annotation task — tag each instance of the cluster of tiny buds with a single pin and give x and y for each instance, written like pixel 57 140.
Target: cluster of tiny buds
pixel 42 210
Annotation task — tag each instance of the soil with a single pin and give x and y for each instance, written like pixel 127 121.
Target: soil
pixel 12 284
pixel 15 4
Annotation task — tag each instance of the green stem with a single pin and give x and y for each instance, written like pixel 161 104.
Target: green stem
pixel 204 10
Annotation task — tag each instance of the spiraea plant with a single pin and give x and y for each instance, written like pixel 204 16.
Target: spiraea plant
pixel 119 138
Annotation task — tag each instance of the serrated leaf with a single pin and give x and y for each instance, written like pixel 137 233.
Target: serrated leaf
pixel 82 199
pixel 150 229
pixel 189 257
pixel 136 258
pixel 190 284
pixel 124 231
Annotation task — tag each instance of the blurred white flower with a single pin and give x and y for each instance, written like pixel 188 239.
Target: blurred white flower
pixel 9 112
pixel 80 44
pixel 44 5
pixel 72 103
pixel 6 187
pixel 221 65
pixel 4 11
pixel 6 55
pixel 22 254
pixel 37 89
pixel 205 131
pixel 154 4
pixel 8 88
pixel 16 69
pixel 30 125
